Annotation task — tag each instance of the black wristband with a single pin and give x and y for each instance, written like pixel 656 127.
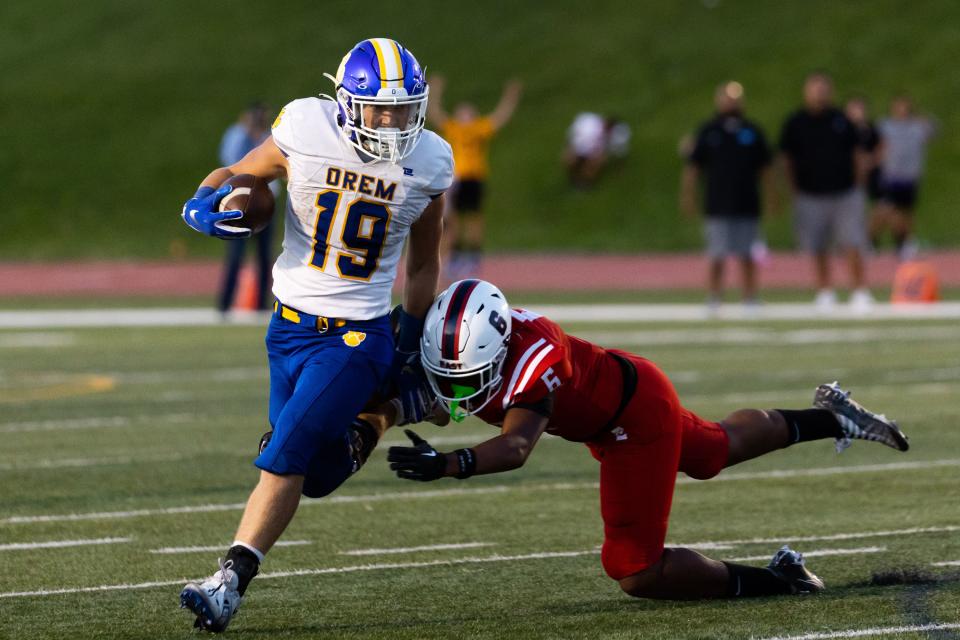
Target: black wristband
pixel 467 460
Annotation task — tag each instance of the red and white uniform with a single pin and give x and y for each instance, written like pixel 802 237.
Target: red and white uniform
pixel 640 452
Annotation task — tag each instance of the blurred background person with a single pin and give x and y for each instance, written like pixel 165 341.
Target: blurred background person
pixel 593 141
pixel 469 134
pixel 903 149
pixel 825 167
pixel 252 128
pixel 730 156
pixel 857 111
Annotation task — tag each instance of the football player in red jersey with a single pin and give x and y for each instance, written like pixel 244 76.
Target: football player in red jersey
pixel 520 371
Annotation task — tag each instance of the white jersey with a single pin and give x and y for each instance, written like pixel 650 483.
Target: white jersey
pixel 586 134
pixel 347 220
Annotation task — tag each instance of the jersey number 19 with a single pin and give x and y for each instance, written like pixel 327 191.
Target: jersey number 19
pixel 364 232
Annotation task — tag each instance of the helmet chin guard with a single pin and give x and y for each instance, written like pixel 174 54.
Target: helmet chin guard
pixel 464 345
pixel 380 75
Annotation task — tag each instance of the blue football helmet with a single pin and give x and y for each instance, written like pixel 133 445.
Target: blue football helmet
pixel 381 74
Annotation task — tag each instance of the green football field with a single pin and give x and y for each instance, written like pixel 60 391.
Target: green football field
pixel 126 452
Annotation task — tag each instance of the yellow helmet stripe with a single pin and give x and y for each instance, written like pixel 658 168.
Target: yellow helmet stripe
pixel 382 59
pixel 388 57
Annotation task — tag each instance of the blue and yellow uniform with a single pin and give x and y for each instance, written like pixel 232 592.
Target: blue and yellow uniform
pixel 330 343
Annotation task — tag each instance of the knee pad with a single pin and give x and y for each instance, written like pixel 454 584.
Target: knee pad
pixel 264 441
pixel 363 439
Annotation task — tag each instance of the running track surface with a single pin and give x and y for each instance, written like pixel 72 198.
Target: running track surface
pixel 511 272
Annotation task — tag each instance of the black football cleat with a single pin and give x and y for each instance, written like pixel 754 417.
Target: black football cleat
pixel 856 421
pixel 788 565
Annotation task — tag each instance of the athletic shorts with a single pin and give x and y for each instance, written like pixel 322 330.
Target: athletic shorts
pixel 900 193
pixel 468 196
pixel 825 220
pixel 319 382
pixel 639 458
pixel 730 236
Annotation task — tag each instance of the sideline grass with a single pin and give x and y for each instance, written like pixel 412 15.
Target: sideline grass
pixel 114 116
pixel 188 405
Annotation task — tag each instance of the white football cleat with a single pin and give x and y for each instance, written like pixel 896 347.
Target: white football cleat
pixel 215 600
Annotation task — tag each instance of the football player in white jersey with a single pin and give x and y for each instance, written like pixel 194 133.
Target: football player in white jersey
pixel 363 177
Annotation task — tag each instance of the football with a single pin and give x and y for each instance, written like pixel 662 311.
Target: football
pixel 251 195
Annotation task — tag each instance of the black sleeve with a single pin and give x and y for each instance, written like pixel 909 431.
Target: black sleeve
pixel 853 137
pixel 544 406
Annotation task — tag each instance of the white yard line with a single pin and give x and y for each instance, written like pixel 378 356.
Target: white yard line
pixel 870 632
pixel 947 563
pixel 429 547
pixel 58 544
pixel 222 375
pixel 858 535
pixel 35 340
pixel 159 317
pixel 67 463
pixel 816 553
pixel 66 425
pixel 541 555
pixel 100 422
pixel 580 313
pixel 315 572
pixel 494 489
pixel 221 547
pixel 825 471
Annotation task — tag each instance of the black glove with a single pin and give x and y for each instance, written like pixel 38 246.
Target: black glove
pixel 420 462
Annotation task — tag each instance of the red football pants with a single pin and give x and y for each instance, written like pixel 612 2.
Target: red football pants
pixel 639 458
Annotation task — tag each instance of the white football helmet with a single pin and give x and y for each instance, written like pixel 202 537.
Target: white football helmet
pixel 464 345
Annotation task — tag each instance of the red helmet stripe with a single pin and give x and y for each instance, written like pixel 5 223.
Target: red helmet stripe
pixel 450 342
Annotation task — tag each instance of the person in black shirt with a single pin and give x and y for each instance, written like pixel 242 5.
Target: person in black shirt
pixel 730 157
pixel 825 166
pixel 858 113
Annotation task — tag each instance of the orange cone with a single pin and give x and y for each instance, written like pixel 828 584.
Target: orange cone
pixel 915 281
pixel 247 291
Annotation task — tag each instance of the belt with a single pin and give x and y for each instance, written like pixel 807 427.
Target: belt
pixel 629 388
pixel 321 324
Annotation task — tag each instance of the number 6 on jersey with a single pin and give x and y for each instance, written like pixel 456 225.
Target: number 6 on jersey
pixel 363 231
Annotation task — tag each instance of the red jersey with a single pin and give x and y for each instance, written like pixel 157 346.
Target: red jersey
pixel 586 380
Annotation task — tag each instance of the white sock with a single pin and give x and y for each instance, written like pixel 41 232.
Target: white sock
pixel 250 548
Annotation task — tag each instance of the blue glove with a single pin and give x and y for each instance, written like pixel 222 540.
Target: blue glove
pixel 200 213
pixel 406 373
pixel 418 406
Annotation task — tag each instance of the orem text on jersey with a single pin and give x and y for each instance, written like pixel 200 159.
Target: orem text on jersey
pixel 361 183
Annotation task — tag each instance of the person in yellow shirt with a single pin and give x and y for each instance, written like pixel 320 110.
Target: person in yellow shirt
pixel 469 134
